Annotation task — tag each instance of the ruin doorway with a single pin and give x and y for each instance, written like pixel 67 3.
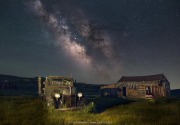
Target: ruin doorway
pixel 124 91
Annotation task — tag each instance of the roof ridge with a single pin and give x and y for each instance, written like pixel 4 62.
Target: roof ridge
pixel 145 75
pixel 142 78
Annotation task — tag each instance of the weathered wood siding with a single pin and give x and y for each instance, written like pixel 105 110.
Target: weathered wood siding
pixel 109 92
pixel 138 89
pixel 152 86
pixel 109 86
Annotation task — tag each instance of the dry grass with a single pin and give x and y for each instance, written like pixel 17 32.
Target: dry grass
pixel 31 111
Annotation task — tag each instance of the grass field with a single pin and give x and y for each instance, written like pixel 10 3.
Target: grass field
pixel 31 111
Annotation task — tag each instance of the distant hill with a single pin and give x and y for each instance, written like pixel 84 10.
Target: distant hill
pixel 16 86
pixel 8 76
pixel 175 93
pixel 89 90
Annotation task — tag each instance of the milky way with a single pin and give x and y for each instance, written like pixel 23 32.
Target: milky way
pixel 97 41
pixel 62 33
pixel 85 49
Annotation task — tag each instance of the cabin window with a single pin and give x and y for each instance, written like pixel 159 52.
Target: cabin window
pixel 148 90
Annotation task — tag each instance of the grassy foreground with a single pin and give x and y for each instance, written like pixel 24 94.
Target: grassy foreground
pixel 31 111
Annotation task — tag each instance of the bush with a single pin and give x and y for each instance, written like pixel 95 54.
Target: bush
pixel 157 101
pixel 91 108
pixel 161 100
pixel 151 101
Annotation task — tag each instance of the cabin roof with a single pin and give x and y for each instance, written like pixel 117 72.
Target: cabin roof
pixel 108 86
pixel 141 78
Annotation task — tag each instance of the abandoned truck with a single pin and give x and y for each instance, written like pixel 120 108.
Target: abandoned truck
pixel 59 92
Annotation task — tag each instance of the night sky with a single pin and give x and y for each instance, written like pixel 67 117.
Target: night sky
pixel 95 41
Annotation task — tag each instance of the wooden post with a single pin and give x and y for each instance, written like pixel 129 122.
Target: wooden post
pixel 39 85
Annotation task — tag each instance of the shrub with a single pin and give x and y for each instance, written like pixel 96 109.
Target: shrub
pixel 161 100
pixel 151 101
pixel 90 108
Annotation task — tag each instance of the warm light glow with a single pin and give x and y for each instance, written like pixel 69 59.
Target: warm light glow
pixel 79 94
pixel 57 95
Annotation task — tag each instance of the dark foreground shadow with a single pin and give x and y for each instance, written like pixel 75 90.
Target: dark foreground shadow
pixel 107 102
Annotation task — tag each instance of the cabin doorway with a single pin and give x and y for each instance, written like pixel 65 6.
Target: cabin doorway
pixel 148 90
pixel 124 91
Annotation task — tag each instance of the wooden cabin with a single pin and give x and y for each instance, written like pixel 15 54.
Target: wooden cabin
pixel 109 90
pixel 151 86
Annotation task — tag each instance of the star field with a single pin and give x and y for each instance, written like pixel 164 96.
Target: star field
pixel 97 41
